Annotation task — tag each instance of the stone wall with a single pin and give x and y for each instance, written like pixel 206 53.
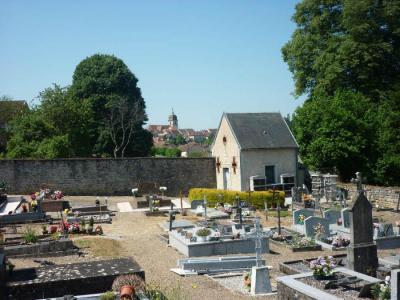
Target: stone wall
pixel 108 176
pixel 385 197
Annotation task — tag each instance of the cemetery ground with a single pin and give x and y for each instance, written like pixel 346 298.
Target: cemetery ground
pixel 136 235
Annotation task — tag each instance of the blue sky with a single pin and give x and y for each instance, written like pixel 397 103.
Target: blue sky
pixel 202 58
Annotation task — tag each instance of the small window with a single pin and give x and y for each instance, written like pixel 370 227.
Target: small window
pixel 224 139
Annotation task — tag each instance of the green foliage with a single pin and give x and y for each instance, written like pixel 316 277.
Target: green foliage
pixel 109 295
pixel 166 152
pixel 214 196
pixel 178 140
pixel 30 236
pixel 336 133
pixel 117 106
pixel 101 114
pixel 381 291
pixel 345 56
pixel 197 154
pixel 344 44
pixel 203 232
pixel 55 128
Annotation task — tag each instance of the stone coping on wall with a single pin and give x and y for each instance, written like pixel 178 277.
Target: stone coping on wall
pixel 106 158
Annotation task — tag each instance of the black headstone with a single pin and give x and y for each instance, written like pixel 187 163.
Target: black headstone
pixel 362 252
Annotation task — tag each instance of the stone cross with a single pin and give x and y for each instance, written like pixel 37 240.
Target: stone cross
pixel 239 209
pixel 258 239
pixel 151 203
pixel 260 282
pixel 205 208
pixel 358 181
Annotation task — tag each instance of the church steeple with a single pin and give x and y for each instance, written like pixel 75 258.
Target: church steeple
pixel 173 120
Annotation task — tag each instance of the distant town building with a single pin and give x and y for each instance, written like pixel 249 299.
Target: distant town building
pixel 164 134
pixel 173 120
pixel 254 144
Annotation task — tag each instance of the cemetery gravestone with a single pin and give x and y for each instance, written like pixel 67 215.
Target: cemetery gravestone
pixel 395 284
pixel 195 203
pixel 362 252
pixel 345 217
pixel 312 222
pixel 332 215
pixel 298 212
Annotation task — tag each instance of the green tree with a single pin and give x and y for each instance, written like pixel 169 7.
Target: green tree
pixel 344 44
pixel 345 58
pixel 388 165
pixel 55 128
pixel 336 133
pixel 117 106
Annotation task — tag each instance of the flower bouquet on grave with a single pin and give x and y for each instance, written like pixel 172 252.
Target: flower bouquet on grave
pixel 339 241
pixel 381 291
pixel 319 231
pixel 323 267
pixel 57 195
pixel 301 219
pixel 247 280
pixel 203 233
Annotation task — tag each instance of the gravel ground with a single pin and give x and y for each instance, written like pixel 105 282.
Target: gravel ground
pixel 133 234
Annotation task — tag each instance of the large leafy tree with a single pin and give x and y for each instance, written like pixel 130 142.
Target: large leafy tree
pixel 57 127
pixel 340 137
pixel 341 44
pixel 116 103
pixel 345 58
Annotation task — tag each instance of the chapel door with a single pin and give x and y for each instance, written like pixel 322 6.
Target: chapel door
pixel 226 178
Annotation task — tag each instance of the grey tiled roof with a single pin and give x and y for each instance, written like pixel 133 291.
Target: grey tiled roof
pixel 261 130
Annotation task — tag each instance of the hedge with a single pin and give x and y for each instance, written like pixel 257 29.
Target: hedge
pixel 256 198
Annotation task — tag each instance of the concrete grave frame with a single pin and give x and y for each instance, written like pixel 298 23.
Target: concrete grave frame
pixel 221 247
pixel 290 288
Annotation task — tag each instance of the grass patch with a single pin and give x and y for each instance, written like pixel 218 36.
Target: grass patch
pixel 101 246
pixel 274 213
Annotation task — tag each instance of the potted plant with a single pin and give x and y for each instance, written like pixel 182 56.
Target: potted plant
pixel 203 233
pixel 323 267
pixel 89 226
pixel 126 285
pixel 247 281
pixel 44 229
pixel 10 268
pixel 99 230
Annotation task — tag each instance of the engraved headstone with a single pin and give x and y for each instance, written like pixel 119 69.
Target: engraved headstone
pixel 395 284
pixel 362 252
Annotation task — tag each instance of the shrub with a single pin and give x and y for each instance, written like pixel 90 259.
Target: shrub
pixel 256 198
pixel 203 232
